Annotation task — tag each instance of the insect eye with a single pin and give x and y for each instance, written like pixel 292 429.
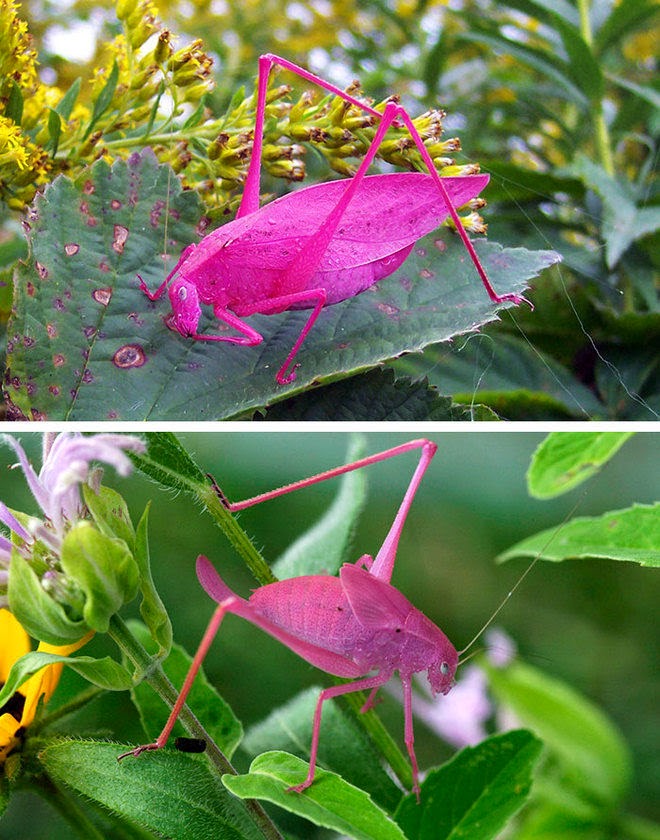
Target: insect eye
pixel 444 669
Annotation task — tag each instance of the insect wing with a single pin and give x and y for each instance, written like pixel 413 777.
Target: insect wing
pixel 376 605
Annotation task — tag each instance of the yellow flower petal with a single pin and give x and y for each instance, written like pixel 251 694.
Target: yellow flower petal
pixel 15 643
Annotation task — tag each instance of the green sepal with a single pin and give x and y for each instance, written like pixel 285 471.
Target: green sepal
pixel 105 570
pixel 110 513
pixel 40 615
pixel 152 609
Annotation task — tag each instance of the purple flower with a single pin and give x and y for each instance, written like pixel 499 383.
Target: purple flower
pixel 66 464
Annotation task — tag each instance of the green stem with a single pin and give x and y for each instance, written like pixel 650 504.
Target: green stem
pixel 156 679
pixel 253 558
pixel 603 141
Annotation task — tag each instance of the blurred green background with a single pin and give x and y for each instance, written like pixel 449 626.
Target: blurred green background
pixel 591 623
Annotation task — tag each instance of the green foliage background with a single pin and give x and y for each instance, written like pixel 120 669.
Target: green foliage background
pixel 587 622
pixel 556 101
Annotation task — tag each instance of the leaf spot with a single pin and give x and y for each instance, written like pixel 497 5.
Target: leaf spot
pixel 115 204
pixel 120 237
pixel 103 295
pixel 71 248
pixel 426 274
pixel 129 356
pixel 59 360
pixel 51 330
pixel 42 271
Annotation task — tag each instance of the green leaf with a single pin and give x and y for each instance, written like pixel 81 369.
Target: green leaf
pixel 325 546
pixel 78 298
pixel 217 716
pixel 594 757
pixel 13 109
pixel 476 793
pixel 41 616
pixel 65 106
pixel 378 395
pixel 631 535
pixel 54 130
pixel 623 222
pixel 105 570
pixel 504 372
pixel 171 793
pixel 566 459
pixel 625 17
pixel 330 802
pixel 343 745
pixel 152 609
pixel 105 672
pixel 168 463
pixel 104 98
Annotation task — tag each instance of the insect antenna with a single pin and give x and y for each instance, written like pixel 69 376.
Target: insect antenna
pixel 522 577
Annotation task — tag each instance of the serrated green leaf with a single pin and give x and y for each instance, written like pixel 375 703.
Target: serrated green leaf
pixel 215 713
pixel 170 793
pixel 378 395
pixel 474 795
pixel 594 757
pixel 85 342
pixel 324 547
pixel 566 459
pixel 330 802
pixel 631 535
pixel 343 745
pixel 515 380
pixel 105 672
pixel 105 570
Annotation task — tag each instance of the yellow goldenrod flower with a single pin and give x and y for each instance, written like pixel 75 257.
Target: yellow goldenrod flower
pixel 20 711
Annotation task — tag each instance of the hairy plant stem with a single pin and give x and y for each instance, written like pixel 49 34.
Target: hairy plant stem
pixel 154 676
pixel 603 141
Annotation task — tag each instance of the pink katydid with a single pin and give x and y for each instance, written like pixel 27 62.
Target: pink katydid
pixel 315 246
pixel 349 626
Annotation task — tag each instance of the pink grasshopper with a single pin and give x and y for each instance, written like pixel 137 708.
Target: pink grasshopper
pixel 315 246
pixel 349 625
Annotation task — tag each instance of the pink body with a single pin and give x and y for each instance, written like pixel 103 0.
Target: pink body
pixel 256 258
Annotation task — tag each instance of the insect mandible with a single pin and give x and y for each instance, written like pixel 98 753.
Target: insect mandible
pixel 315 246
pixel 350 626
